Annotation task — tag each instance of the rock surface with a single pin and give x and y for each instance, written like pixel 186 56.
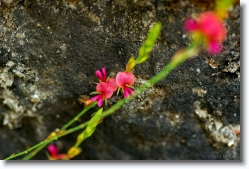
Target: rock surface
pixel 49 51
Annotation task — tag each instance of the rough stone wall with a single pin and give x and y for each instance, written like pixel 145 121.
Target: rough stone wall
pixel 50 49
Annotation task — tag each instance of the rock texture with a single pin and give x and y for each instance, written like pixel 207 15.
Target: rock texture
pixel 49 51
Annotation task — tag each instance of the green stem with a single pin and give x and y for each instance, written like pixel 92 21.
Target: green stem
pixel 177 59
pixel 34 152
pixel 78 116
pixel 24 152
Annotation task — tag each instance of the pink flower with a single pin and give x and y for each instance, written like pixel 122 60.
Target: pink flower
pixel 125 80
pixel 208 25
pixel 104 90
pixel 54 152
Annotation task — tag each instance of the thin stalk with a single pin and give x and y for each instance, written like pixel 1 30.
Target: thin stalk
pixel 34 152
pixel 24 152
pixel 78 116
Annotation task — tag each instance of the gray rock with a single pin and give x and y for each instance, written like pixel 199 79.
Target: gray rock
pixel 50 50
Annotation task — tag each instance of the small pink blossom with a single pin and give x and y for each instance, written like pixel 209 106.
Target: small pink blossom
pixel 104 91
pixel 54 152
pixel 125 80
pixel 104 88
pixel 209 25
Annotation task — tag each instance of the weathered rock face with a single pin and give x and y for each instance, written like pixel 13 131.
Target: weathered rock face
pixel 50 50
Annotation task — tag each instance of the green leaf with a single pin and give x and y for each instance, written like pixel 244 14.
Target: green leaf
pixel 145 49
pixel 95 93
pixel 130 65
pixel 93 122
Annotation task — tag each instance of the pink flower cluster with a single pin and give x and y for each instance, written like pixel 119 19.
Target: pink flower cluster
pixel 209 26
pixel 107 86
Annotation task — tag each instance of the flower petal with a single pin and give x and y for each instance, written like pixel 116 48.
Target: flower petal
pixel 101 75
pixel 112 83
pixel 214 48
pixel 95 98
pixel 105 88
pixel 62 156
pixel 53 150
pixel 108 92
pixel 100 100
pixel 104 73
pixel 127 92
pixel 211 26
pixel 190 25
pixel 125 78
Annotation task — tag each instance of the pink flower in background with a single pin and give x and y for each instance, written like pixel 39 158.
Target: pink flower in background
pixel 125 80
pixel 209 26
pixel 54 152
pixel 104 91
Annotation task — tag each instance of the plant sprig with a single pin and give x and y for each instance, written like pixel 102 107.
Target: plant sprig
pixel 143 55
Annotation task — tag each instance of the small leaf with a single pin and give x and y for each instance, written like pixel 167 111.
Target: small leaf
pixel 143 59
pixel 89 131
pixel 130 65
pixel 53 134
pixel 129 86
pixel 145 49
pixel 80 137
pixel 95 93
